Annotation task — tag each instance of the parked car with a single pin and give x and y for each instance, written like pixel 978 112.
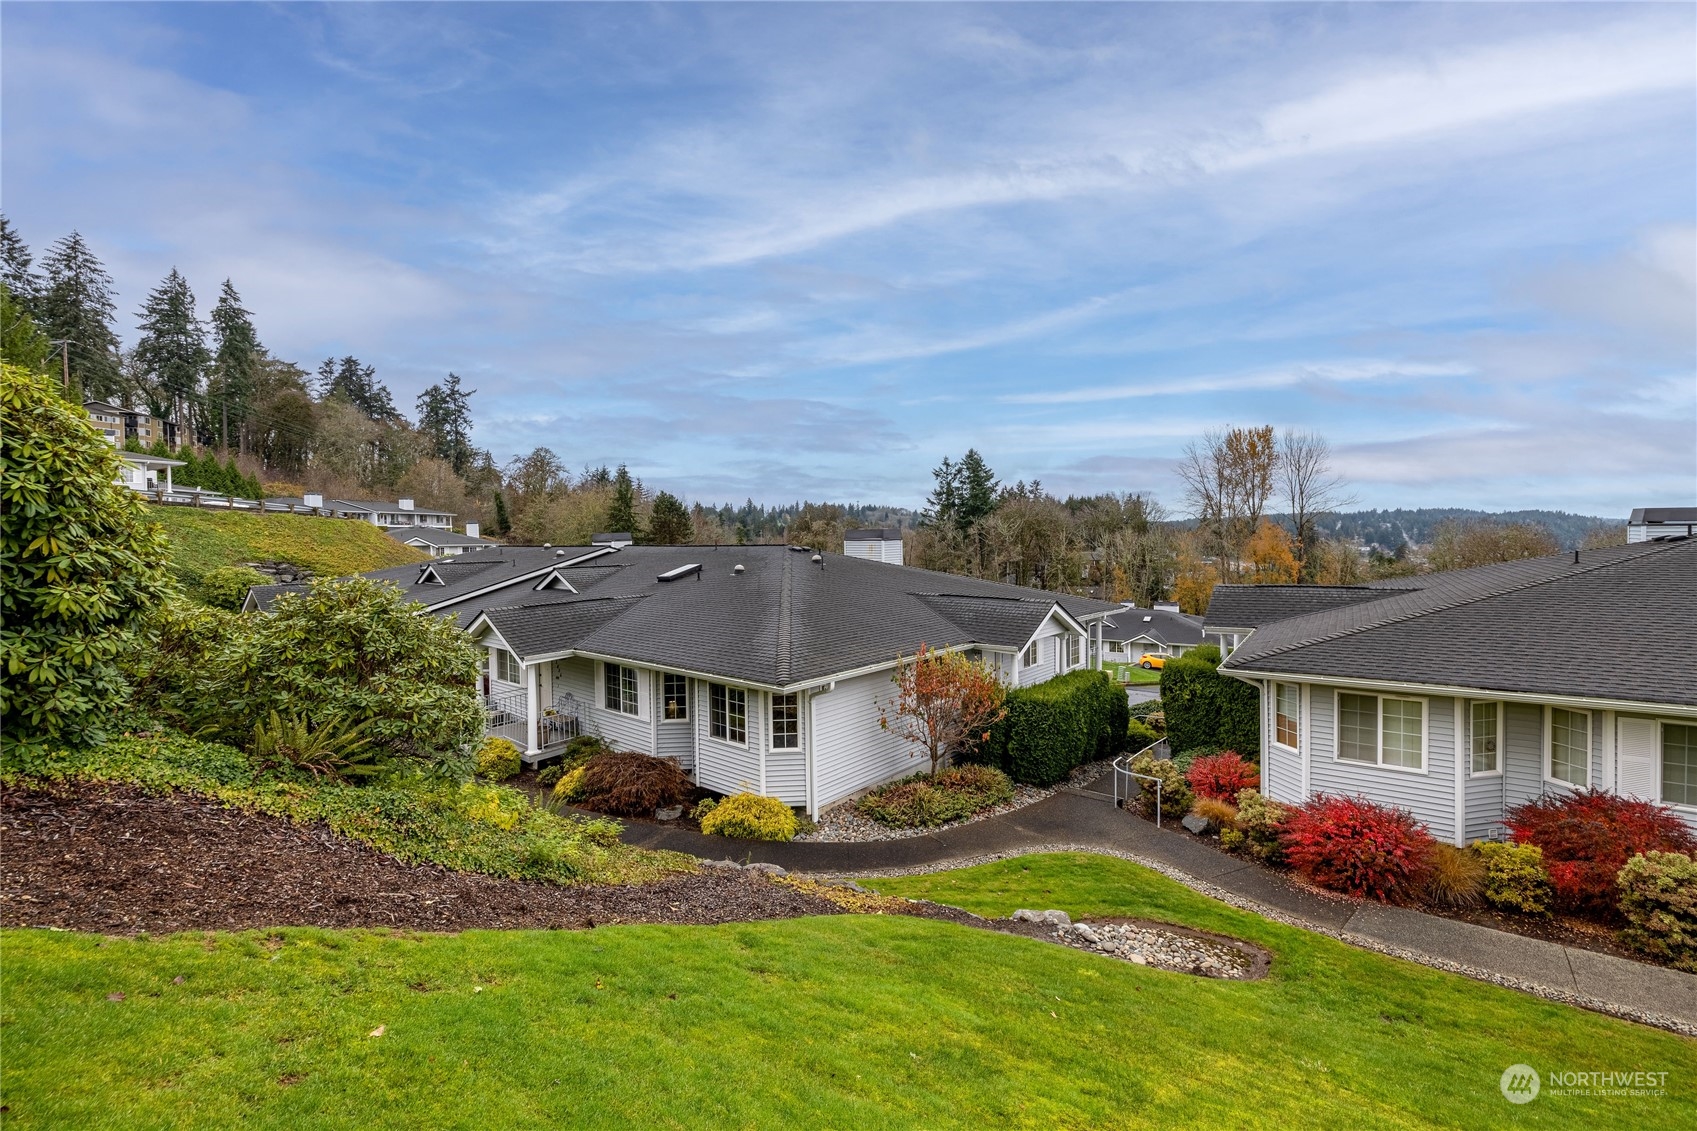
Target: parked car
pixel 1153 661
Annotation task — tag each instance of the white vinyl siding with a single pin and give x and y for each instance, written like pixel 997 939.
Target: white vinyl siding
pixel 1429 796
pixel 722 765
pixel 579 678
pixel 674 737
pixel 851 752
pixel 1569 746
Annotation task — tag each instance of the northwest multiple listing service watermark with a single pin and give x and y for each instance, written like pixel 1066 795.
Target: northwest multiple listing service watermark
pixel 1521 1083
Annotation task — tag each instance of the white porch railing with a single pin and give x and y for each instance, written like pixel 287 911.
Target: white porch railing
pixel 505 716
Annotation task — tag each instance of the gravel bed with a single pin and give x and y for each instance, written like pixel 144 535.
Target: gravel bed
pixel 843 824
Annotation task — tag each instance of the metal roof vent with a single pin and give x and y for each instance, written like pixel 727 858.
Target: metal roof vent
pixel 681 571
pixel 737 568
pixel 559 553
pixel 547 545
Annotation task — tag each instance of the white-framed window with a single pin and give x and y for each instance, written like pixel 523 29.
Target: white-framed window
pixel 1287 715
pixel 1075 654
pixel 1568 745
pixel 619 688
pixel 1028 659
pixel 727 713
pixel 507 668
pixel 674 697
pixel 786 721
pixel 1381 730
pixel 1679 763
pixel 1485 738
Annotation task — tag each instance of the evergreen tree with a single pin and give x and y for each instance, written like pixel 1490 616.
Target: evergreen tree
pixel 234 365
pixel 21 341
pixel 621 513
pixel 360 386
pixel 172 351
pixel 187 475
pixel 17 270
pixel 943 504
pixel 444 416
pixel 503 525
pixel 669 524
pixel 977 490
pixel 76 305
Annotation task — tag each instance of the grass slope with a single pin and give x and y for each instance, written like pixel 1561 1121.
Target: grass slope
pixel 204 540
pixel 837 1022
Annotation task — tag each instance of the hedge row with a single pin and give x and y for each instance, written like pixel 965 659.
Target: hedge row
pixel 1205 708
pixel 1055 726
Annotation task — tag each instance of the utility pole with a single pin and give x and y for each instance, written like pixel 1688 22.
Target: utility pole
pixel 65 345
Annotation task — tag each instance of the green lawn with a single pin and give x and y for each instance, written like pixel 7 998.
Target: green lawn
pixel 1131 673
pixel 203 540
pixel 828 1022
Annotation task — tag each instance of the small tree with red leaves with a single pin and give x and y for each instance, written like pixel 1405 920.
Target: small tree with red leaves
pixel 944 702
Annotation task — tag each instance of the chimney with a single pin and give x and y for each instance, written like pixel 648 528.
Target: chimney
pixel 471 530
pixel 406 504
pixel 313 499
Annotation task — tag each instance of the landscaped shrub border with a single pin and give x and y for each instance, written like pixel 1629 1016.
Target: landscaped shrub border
pixel 1587 837
pixel 923 801
pixel 1053 727
pixel 1204 708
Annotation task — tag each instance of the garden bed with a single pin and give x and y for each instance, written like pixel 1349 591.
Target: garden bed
pixel 843 825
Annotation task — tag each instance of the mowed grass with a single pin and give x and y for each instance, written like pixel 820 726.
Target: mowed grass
pixel 203 540
pixel 1131 673
pixel 848 1021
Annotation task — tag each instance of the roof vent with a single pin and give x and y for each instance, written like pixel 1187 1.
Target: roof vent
pixel 559 553
pixel 737 568
pixel 681 571
pixel 547 545
pixel 1146 620
pixel 799 549
pixel 819 558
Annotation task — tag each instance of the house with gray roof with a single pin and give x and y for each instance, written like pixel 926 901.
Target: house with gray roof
pixel 1460 695
pixel 1130 632
pixel 757 668
pixel 439 543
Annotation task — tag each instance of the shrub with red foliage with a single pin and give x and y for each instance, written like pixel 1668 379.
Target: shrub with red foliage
pixel 1221 776
pixel 1588 836
pixel 1351 845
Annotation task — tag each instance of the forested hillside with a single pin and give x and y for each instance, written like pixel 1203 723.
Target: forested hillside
pixel 1387 530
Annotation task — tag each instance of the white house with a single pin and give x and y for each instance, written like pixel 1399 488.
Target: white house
pixel 140 472
pixel 1647 523
pixel 756 667
pixel 440 543
pixel 883 544
pixel 1129 632
pixel 1459 695
pixel 401 513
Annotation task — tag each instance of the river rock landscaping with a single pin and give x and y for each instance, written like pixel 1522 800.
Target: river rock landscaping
pixel 845 824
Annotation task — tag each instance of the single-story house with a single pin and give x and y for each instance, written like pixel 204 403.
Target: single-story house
pixel 1459 695
pixel 757 667
pixel 879 544
pixel 401 512
pixel 441 543
pixel 1646 523
pixel 1129 632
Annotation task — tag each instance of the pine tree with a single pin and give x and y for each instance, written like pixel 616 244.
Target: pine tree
pixel 669 524
pixel 503 525
pixel 76 305
pixel 444 415
pixel 17 271
pixel 621 513
pixel 943 504
pixel 235 364
pixel 172 351
pixel 978 488
pixel 359 385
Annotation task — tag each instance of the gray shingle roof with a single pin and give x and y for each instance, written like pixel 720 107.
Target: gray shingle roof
pixel 1237 607
pixel 783 620
pixel 432 536
pixel 1163 627
pixel 1619 624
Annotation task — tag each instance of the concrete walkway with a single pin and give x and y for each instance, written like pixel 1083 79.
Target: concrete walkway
pixel 1087 821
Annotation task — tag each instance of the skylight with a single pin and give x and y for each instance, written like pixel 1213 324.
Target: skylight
pixel 680 571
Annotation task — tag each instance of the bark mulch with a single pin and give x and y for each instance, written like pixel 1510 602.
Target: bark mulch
pixel 114 860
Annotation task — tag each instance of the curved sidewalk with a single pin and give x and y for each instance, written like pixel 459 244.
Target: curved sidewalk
pixel 1088 821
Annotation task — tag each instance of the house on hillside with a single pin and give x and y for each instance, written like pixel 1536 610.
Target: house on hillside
pixel 140 471
pixel 440 543
pixel 880 544
pixel 1459 695
pixel 1647 523
pixel 756 667
pixel 401 513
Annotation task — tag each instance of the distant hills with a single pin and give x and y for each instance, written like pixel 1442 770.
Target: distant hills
pixel 1387 530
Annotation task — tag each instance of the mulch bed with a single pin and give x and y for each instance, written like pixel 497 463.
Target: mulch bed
pixel 115 860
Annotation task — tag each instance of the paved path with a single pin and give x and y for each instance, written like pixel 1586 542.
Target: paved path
pixel 1142 692
pixel 1088 820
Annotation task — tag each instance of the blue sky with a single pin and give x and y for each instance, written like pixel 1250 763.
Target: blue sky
pixel 787 251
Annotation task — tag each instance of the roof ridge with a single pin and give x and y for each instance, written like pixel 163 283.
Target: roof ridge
pixel 784 614
pixel 1418 613
pixel 567 603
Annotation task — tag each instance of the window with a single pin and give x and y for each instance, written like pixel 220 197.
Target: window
pixel 727 713
pixel 674 697
pixel 786 722
pixel 1485 738
pixel 1074 655
pixel 507 666
pixel 1029 658
pixel 1381 730
pixel 620 689
pixel 1679 764
pixel 1570 746
pixel 1287 715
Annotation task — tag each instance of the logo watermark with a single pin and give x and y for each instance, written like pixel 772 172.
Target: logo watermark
pixel 1521 1083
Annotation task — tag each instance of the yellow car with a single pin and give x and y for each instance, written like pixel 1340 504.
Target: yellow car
pixel 1153 661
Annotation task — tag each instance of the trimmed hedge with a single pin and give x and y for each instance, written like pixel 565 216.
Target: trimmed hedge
pixel 1205 708
pixel 1055 726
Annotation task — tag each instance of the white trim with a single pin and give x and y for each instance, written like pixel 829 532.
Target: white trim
pixel 1308 735
pixel 1401 689
pixel 1275 684
pixel 1502 738
pixel 1550 748
pixel 1660 765
pixel 1608 751
pixel 1425 766
pixel 727 739
pixel 510 581
pixel 1463 769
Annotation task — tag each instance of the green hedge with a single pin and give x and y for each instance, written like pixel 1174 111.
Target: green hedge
pixel 1205 708
pixel 1055 726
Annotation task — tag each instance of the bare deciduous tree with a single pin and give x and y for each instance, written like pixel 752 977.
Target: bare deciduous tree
pixel 1228 478
pixel 1311 488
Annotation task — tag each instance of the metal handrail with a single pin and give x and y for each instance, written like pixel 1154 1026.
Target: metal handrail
pixel 1122 765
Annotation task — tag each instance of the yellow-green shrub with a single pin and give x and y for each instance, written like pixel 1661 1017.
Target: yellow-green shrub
pixel 1515 879
pixel 498 759
pixel 570 787
pixel 751 817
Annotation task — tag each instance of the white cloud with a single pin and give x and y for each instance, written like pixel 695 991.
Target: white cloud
pixel 1278 377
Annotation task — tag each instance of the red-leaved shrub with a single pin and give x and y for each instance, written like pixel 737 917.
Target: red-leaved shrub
pixel 1588 836
pixel 1221 776
pixel 1351 845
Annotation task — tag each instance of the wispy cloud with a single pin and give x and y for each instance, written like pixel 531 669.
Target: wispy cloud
pixel 1280 377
